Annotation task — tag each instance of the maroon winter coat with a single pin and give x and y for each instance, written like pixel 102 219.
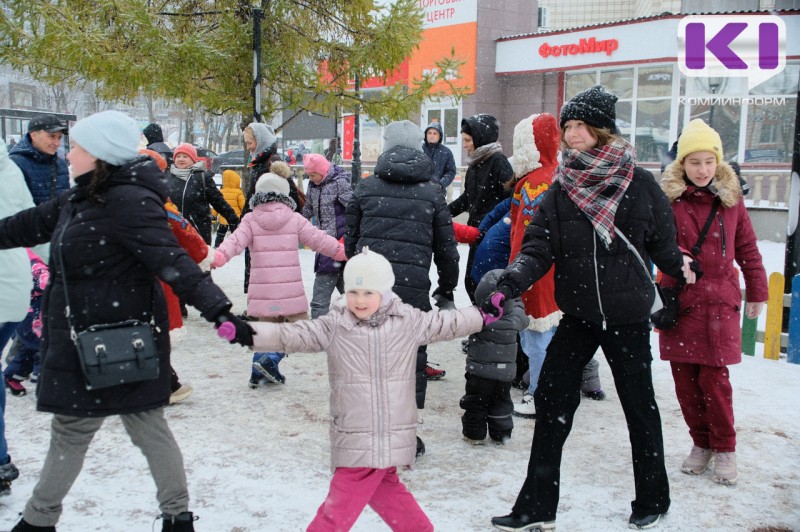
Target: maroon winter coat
pixel 708 330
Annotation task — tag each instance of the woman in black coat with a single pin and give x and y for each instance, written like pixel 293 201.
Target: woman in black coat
pixel 605 293
pixel 192 190
pixel 111 234
pixel 485 183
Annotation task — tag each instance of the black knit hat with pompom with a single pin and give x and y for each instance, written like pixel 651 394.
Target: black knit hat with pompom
pixel 593 106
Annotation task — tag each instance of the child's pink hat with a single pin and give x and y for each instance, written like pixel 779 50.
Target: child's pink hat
pixel 314 162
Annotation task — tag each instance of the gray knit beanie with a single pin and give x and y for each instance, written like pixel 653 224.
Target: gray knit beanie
pixel 403 133
pixel 110 136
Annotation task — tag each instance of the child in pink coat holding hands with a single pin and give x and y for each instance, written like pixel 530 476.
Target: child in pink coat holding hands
pixel 272 230
pixel 371 339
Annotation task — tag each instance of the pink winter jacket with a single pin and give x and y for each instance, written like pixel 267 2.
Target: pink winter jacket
pixel 371 368
pixel 272 231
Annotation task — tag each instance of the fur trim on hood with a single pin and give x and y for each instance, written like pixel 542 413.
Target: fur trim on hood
pixel 261 198
pixel 725 183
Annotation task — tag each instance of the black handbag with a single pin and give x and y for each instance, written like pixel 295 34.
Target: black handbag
pixel 111 354
pixel 664 313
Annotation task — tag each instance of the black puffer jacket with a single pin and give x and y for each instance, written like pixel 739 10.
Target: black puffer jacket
pixel 484 184
pixel 112 254
pixel 193 197
pixel 592 282
pixel 402 215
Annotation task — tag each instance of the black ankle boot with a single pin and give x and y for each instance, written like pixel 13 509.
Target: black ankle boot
pixel 522 523
pixel 183 522
pixel 22 526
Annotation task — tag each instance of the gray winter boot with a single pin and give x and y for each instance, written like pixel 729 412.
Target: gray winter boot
pixel 183 522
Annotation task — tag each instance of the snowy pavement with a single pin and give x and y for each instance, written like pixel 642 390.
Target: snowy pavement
pixel 258 460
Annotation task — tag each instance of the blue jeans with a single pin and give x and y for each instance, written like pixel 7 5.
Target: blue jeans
pixel 534 344
pixel 6 330
pixel 26 359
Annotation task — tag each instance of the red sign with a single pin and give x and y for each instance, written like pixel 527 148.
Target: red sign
pixel 348 130
pixel 584 46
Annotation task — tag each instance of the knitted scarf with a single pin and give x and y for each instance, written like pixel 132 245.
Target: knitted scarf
pixel 484 152
pixel 595 181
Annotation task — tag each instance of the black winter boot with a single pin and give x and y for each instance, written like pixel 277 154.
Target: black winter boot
pixel 183 522
pixel 22 526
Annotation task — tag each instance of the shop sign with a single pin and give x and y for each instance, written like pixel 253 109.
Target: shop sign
pixel 584 46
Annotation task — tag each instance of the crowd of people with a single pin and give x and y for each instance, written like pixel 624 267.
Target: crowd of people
pixel 553 274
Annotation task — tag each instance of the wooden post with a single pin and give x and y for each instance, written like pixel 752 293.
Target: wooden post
pixel 772 330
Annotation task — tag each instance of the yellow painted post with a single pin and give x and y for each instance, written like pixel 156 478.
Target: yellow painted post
pixel 772 330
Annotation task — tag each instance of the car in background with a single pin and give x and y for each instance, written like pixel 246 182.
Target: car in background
pixel 233 158
pixel 206 155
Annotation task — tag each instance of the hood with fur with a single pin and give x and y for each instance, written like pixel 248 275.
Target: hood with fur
pixel 725 183
pixel 534 150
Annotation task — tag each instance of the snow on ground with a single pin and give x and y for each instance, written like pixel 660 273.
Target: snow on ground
pixel 257 460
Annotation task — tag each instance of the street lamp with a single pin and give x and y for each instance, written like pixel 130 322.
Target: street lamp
pixel 258 14
pixel 355 167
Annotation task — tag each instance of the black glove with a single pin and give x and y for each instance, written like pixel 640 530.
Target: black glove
pixel 697 269
pixel 443 299
pixel 243 332
pixel 492 305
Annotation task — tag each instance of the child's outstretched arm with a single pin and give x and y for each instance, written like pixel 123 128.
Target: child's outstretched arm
pixel 236 242
pixel 307 336
pixel 442 325
pixel 320 241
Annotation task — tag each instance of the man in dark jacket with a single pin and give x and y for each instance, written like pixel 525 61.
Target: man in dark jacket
pixel 443 161
pixel 485 184
pixel 45 173
pixel 155 142
pixel 401 214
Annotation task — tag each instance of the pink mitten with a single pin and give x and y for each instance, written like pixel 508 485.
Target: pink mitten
pixel 219 259
pixel 227 330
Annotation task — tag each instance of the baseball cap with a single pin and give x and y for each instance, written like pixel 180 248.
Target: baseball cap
pixel 49 123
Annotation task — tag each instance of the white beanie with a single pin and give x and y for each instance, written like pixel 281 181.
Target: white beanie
pixel 368 271
pixel 110 136
pixel 270 182
pixel 402 133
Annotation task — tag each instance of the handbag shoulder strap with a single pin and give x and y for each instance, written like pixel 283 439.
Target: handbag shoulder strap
pixel 695 249
pixel 635 253
pixel 701 238
pixel 57 245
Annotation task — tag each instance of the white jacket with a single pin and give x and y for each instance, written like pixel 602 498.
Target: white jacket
pixel 15 267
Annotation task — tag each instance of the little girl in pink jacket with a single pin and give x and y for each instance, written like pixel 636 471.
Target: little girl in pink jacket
pixel 371 338
pixel 272 231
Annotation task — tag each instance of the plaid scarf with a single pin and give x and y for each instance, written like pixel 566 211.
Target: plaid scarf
pixel 595 181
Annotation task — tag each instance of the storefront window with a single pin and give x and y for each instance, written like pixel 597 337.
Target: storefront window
pixel 784 83
pixel 652 129
pixel 620 82
pixel 579 82
pixel 451 127
pixel 624 114
pixel 654 82
pixel 769 131
pixel 726 120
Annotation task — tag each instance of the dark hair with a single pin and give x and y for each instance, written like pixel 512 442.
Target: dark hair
pixel 99 182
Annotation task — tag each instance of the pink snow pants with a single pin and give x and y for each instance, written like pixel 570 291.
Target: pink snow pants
pixel 353 488
pixel 706 399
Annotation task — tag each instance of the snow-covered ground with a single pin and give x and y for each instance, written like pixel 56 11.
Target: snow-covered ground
pixel 258 460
